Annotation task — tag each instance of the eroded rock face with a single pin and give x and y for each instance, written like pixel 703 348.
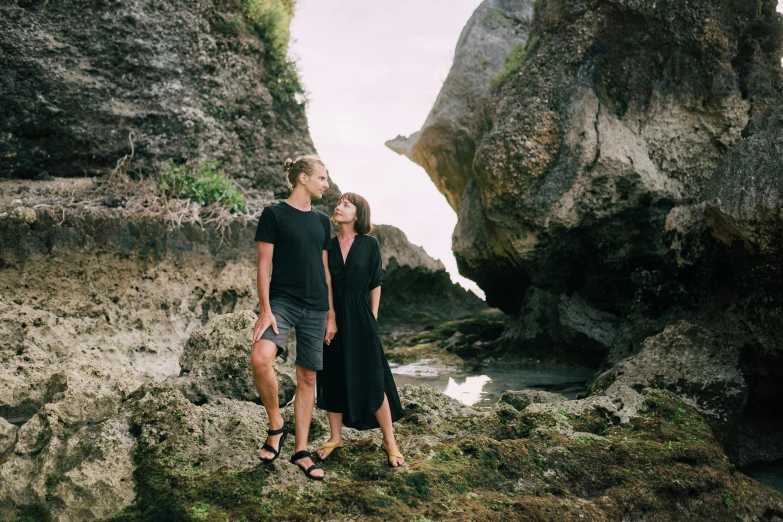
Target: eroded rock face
pixel 215 362
pixel 745 196
pixel 620 112
pixel 590 145
pixel 189 81
pixel 728 251
pixel 699 366
pixel 445 145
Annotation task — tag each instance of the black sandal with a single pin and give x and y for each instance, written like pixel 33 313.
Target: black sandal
pixel 308 472
pixel 275 452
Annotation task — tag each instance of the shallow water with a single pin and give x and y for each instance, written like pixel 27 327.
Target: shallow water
pixel 769 474
pixel 484 387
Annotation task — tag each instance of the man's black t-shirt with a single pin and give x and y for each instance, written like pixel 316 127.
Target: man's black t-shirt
pixel 297 264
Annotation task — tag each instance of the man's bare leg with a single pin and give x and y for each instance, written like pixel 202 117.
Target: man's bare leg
pixel 261 359
pixel 383 415
pixel 303 413
pixel 336 427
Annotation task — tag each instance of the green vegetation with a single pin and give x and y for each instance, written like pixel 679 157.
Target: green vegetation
pixel 514 466
pixel 514 61
pixel 271 20
pixel 205 186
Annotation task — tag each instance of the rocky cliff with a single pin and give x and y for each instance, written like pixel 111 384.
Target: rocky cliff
pixel 188 81
pixel 616 113
pixel 446 143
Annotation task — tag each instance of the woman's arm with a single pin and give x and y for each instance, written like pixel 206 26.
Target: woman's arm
pixel 375 300
pixel 331 322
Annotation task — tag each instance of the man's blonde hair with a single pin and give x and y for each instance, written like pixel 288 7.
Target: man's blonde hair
pixel 302 164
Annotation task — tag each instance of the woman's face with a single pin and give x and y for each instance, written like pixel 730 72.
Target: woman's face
pixel 344 212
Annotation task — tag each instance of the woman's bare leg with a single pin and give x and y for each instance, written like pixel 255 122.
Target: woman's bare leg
pixel 336 427
pixel 384 419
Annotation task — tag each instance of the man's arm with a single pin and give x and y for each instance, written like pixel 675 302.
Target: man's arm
pixel 375 300
pixel 264 276
pixel 331 323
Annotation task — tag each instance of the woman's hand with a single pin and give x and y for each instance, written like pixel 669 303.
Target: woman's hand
pixel 331 327
pixel 264 321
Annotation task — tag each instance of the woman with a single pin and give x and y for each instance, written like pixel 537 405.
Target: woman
pixel 356 387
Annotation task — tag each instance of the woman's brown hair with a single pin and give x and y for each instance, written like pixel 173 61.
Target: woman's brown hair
pixel 363 223
pixel 302 164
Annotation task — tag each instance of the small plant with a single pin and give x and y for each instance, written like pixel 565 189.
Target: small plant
pixel 514 60
pixel 205 186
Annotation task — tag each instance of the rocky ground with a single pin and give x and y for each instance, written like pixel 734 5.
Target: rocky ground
pixel 185 449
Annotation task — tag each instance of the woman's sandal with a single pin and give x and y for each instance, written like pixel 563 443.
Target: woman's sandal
pixel 270 449
pixel 299 455
pixel 393 455
pixel 328 447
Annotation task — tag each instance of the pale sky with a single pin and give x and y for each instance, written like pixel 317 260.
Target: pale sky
pixel 372 71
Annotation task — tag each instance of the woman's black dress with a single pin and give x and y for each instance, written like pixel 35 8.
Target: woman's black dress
pixel 356 374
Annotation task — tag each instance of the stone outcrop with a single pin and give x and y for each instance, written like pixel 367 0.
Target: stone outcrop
pixel 417 289
pixel 728 253
pixel 206 81
pixel 215 362
pixel 695 364
pixel 446 143
pixel 619 113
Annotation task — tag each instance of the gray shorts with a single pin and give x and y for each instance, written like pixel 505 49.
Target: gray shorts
pixel 310 326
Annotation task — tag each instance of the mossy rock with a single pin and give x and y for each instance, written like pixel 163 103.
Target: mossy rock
pixel 550 464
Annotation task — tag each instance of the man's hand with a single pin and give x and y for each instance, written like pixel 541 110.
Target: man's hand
pixel 264 321
pixel 331 327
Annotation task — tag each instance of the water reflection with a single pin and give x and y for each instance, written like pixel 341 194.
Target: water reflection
pixel 484 388
pixel 469 392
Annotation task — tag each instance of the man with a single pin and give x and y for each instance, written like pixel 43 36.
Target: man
pixel 293 238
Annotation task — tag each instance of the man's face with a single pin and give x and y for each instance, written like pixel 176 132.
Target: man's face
pixel 317 182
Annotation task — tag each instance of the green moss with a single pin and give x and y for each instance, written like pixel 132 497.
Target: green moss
pixel 664 463
pixel 514 60
pixel 205 186
pixel 33 513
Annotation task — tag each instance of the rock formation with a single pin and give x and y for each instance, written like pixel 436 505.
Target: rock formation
pixel 446 143
pixel 623 202
pixel 207 81
pixel 416 288
pixel 618 113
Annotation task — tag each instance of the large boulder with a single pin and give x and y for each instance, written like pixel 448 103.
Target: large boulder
pixel 744 200
pixel 67 469
pixel 446 143
pixel 617 113
pixel 216 362
pixel 189 81
pixel 697 365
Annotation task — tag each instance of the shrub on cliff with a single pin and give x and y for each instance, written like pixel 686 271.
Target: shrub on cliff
pixel 271 19
pixel 205 186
